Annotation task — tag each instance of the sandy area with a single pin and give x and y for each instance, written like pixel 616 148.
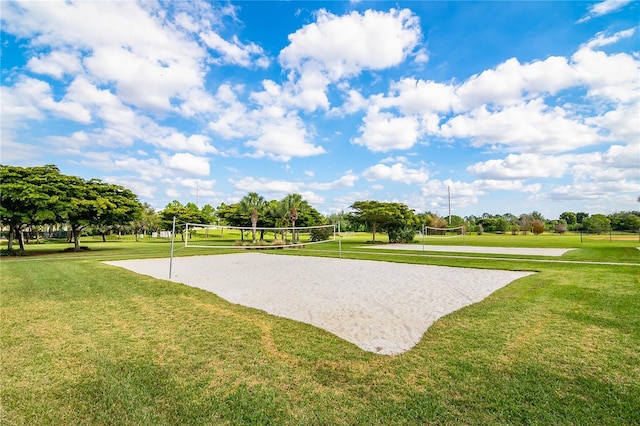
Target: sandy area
pixel 381 307
pixel 475 249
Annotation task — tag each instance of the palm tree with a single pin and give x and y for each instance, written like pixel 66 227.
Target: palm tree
pixel 253 204
pixel 294 204
pixel 278 210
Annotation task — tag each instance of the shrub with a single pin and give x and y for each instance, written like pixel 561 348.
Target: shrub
pixel 537 227
pixel 561 227
pixel 12 252
pixel 401 235
pixel 321 234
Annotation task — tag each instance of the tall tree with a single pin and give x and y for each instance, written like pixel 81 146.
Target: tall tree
pixel 148 220
pixel 380 216
pixel 294 204
pixel 98 203
pixel 183 214
pixel 597 223
pixel 27 196
pixel 280 214
pixel 253 204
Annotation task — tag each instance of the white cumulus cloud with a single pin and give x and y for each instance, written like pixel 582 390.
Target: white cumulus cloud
pixel 396 173
pixel 184 163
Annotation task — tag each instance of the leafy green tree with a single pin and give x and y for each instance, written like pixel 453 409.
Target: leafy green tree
pixel 209 212
pixel 279 214
pixel 502 225
pixel 98 203
pixel 148 220
pixel 373 214
pixel 43 195
pixel 254 205
pixel 580 217
pixel 189 213
pixel 457 221
pixel 597 223
pixel 30 196
pixel 229 214
pixel 344 219
pixel 569 218
pixel 536 215
pixel 383 216
pixel 625 221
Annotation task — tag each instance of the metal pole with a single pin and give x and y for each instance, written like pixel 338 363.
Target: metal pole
pixel 449 192
pixel 173 237
pixel 339 241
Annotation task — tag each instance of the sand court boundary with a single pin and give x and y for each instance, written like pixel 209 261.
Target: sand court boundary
pixel 381 307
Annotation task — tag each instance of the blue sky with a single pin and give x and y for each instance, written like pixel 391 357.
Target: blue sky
pixel 513 106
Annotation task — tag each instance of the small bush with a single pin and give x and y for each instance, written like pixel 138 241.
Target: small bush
pixel 320 234
pixel 73 249
pixel 12 252
pixel 537 227
pixel 402 235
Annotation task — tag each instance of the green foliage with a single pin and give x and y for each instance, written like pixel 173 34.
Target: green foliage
pixel 404 234
pixel 183 214
pixel 570 218
pixel 625 221
pixel 383 216
pixel 43 195
pixel 581 216
pixel 254 205
pixel 11 252
pixel 598 223
pixel 320 234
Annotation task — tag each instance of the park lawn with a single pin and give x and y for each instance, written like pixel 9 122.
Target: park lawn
pixel 86 343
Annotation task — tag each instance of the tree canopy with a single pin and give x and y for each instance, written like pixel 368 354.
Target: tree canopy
pixel 383 216
pixel 40 195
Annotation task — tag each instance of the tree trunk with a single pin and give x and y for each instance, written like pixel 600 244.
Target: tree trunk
pixel 20 238
pixel 10 236
pixel 104 239
pixel 76 237
pixel 293 231
pixel 253 231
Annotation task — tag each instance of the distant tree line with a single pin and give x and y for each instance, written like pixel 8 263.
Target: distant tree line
pixel 253 211
pixel 33 199
pixel 568 221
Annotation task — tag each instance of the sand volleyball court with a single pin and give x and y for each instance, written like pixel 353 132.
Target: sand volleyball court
pixel 381 307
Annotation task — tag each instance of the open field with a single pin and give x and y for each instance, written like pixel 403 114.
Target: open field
pixel 85 343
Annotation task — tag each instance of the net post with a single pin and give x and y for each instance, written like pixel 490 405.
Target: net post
pixel 186 234
pixel 173 237
pixel 339 241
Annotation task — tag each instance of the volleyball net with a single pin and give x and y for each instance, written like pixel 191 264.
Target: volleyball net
pixel 247 237
pixel 430 231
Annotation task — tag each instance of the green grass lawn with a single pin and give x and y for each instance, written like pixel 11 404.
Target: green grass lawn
pixel 86 343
